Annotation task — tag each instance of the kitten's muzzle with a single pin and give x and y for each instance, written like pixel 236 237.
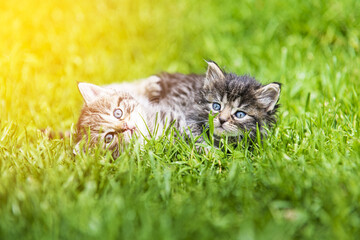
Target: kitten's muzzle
pixel 222 120
pixel 123 127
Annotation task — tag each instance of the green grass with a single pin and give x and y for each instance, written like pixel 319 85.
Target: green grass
pixel 302 183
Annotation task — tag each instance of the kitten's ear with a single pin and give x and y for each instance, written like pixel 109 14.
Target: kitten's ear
pixel 213 74
pixel 268 95
pixel 91 92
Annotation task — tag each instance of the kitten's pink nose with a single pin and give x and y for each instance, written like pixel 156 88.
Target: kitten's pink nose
pixel 222 119
pixel 131 126
pixel 125 127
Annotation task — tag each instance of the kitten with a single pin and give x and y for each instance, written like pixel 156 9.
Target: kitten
pixel 111 117
pixel 240 103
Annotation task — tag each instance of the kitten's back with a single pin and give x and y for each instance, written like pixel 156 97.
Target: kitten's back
pixel 179 89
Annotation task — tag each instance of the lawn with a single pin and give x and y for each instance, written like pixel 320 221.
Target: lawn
pixel 302 182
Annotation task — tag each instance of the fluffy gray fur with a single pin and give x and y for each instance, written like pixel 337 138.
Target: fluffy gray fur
pixel 195 95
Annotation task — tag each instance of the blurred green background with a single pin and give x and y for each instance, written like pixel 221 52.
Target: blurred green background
pixel 303 183
pixel 46 46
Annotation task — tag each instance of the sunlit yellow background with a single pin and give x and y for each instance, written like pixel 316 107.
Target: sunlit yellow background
pixel 47 46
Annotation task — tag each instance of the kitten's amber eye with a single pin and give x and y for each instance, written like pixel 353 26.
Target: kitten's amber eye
pixel 109 137
pixel 118 113
pixel 240 114
pixel 216 106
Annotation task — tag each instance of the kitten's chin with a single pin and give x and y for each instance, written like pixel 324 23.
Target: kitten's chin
pixel 220 131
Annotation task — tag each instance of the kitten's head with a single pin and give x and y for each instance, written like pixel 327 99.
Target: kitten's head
pixel 108 118
pixel 240 102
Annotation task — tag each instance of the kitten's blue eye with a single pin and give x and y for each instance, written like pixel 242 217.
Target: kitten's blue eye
pixel 109 137
pixel 216 106
pixel 240 114
pixel 118 113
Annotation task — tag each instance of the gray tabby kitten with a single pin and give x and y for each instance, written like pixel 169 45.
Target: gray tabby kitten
pixel 112 115
pixel 240 103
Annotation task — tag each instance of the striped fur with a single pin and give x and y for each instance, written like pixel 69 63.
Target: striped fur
pixel 139 117
pixel 194 95
pixel 185 100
